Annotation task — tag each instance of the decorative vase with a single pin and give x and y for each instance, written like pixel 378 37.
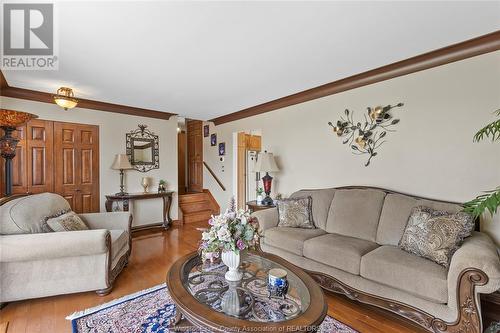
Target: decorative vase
pixel 232 260
pixel 145 184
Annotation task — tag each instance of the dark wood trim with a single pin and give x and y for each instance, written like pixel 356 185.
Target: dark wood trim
pixel 109 261
pixel 44 97
pixel 3 82
pixel 468 319
pixel 467 49
pixel 214 175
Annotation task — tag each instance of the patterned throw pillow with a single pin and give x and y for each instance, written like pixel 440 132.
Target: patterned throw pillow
pixel 45 226
pixel 435 234
pixel 295 213
pixel 69 221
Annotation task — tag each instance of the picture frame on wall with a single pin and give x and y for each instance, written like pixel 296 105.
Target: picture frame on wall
pixel 206 131
pixel 222 149
pixel 213 139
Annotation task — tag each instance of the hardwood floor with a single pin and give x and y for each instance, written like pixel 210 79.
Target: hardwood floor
pixel 152 255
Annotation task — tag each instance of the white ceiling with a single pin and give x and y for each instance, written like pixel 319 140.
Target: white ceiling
pixel 206 59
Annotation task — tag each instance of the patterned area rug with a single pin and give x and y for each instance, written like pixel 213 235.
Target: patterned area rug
pixel 150 311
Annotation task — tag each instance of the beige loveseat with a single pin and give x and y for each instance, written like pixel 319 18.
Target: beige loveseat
pixel 36 264
pixel 354 251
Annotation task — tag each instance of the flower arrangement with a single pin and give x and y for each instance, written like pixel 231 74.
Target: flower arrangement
pixel 235 230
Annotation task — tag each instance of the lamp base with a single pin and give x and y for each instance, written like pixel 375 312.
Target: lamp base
pixel 267 201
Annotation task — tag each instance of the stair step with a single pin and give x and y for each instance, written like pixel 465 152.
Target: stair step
pixel 203 215
pixel 195 207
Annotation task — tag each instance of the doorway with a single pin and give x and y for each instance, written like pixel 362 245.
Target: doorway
pixel 247 146
pixel 190 155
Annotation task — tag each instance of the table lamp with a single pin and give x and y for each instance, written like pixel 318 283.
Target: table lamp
pixel 9 121
pixel 121 163
pixel 265 163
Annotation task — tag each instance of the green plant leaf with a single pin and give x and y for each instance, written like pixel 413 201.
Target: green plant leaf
pixel 492 130
pixel 490 201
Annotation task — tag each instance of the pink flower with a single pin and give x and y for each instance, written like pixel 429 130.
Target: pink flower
pixel 240 244
pixel 211 221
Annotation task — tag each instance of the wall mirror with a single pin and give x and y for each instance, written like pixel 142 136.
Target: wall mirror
pixel 143 149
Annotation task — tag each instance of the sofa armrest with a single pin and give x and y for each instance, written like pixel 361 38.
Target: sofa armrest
pixel 477 252
pixel 267 218
pixel 110 221
pixel 31 247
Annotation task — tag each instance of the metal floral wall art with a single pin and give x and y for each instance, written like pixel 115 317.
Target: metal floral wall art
pixel 366 137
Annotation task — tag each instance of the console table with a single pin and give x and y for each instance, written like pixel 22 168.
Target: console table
pixel 125 198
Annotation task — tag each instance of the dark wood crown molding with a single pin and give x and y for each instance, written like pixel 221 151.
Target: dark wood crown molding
pixel 3 82
pixel 467 49
pixel 39 96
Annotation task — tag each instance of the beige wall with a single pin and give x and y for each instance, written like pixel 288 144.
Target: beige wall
pixel 112 130
pixel 431 153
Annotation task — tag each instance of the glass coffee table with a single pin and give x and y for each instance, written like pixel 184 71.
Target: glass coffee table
pixel 208 301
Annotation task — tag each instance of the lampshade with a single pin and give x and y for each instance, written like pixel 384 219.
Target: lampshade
pixel 13 119
pixel 265 163
pixel 121 162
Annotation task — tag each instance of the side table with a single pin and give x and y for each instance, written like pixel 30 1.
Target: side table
pixel 254 206
pixel 125 198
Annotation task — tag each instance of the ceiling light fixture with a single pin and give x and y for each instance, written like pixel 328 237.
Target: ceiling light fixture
pixel 65 98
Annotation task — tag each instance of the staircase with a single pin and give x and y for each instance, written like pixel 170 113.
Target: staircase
pixel 198 207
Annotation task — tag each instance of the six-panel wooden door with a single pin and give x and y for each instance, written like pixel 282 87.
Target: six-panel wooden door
pixel 39 151
pixel 195 155
pixel 76 163
pixel 33 164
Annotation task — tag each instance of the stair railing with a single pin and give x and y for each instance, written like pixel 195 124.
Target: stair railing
pixel 214 175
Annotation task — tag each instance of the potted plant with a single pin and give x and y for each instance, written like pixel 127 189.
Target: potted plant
pixel 490 200
pixel 229 234
pixel 259 199
pixel 162 185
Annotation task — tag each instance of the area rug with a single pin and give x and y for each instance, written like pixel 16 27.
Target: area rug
pixel 149 311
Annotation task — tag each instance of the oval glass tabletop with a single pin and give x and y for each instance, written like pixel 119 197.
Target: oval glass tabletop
pixel 246 299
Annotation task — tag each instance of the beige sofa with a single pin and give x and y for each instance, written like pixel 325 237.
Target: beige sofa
pixel 354 251
pixel 36 264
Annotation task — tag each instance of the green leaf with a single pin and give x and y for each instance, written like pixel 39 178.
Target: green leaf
pixel 490 201
pixel 491 130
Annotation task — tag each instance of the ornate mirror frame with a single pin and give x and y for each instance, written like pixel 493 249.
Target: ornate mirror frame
pixel 145 135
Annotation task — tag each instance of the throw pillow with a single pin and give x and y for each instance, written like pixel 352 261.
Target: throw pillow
pixel 435 234
pixel 69 221
pixel 295 213
pixel 45 226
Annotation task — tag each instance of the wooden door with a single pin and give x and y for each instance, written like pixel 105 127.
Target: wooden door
pixel 19 162
pixel 39 151
pixel 195 155
pixel 76 161
pixel 181 161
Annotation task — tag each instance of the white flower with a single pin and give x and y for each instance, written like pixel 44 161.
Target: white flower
pixel 243 220
pixel 223 234
pixel 205 235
